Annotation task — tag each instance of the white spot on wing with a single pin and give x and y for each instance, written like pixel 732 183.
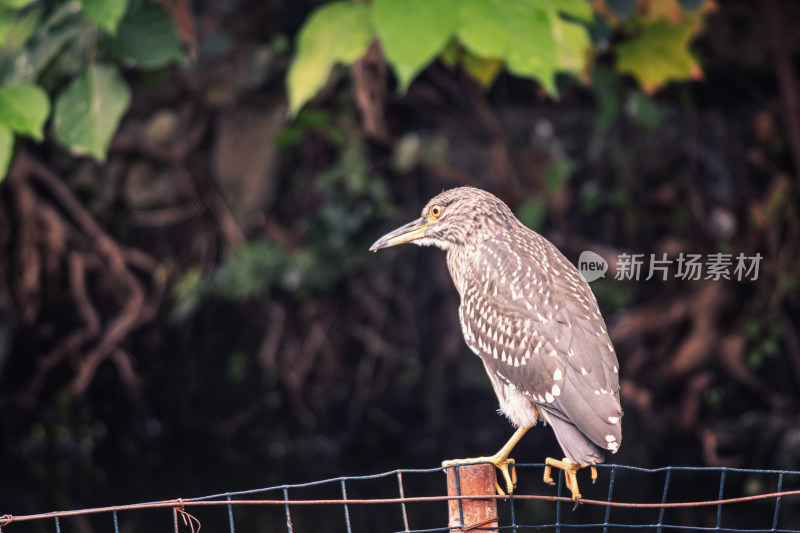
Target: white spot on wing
pixel 610 438
pixel 557 375
pixel 556 390
pixel 548 397
pixel 613 419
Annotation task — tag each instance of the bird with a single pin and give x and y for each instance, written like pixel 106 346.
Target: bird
pixel 531 317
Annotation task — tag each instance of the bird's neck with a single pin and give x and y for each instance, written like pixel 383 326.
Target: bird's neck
pixel 457 256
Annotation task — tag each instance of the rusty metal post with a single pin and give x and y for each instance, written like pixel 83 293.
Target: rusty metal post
pixel 472 480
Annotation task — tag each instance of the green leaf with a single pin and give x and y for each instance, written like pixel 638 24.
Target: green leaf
pixel 645 110
pixel 49 39
pixel 451 54
pixel 532 213
pixel 530 36
pixel 413 33
pixel 7 22
pixel 338 32
pixel 482 70
pixel 148 37
pixel 482 27
pixel 578 9
pixel 589 197
pixel 24 109
pixel 106 13
pixel 658 55
pixel 653 10
pixel 572 44
pixel 517 32
pixel 6 150
pixel 88 111
pixel 606 86
pixel 17 28
pixel 558 174
pixel 15 4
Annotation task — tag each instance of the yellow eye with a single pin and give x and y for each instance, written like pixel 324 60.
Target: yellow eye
pixel 436 211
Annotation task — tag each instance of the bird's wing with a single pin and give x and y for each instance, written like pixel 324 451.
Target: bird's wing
pixel 543 334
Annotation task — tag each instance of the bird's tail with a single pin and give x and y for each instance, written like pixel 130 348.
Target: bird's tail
pixel 576 446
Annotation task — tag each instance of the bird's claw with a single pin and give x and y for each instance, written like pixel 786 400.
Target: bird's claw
pixel 506 466
pixel 509 474
pixel 570 475
pixel 548 475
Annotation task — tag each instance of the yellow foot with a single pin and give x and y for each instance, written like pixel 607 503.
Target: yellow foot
pixel 570 473
pixel 500 461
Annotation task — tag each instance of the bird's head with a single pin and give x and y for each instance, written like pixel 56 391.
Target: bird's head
pixel 457 217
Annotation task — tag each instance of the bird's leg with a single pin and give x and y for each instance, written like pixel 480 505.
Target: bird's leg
pixel 570 474
pixel 499 460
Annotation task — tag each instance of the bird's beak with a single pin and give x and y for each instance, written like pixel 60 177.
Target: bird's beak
pixel 410 232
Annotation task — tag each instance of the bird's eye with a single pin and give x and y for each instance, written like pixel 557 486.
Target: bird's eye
pixel 436 211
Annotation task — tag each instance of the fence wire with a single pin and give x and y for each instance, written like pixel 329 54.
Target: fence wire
pixel 412 501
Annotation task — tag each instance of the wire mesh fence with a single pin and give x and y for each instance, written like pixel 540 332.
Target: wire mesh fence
pixel 415 501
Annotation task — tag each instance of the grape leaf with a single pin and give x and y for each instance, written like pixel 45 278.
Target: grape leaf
pixel 16 4
pixel 653 10
pixel 558 174
pixel 451 54
pixel 24 109
pixel 6 150
pixel 106 13
pixel 606 90
pixel 572 45
pixel 530 36
pixel 578 9
pixel 482 70
pixel 49 38
pixel 413 33
pixel 88 111
pixel 17 28
pixel 659 54
pixel 148 37
pixel 532 213
pixel 517 32
pixel 334 33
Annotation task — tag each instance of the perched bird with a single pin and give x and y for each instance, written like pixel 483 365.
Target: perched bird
pixel 530 316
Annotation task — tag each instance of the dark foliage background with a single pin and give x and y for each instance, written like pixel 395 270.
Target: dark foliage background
pixel 201 314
